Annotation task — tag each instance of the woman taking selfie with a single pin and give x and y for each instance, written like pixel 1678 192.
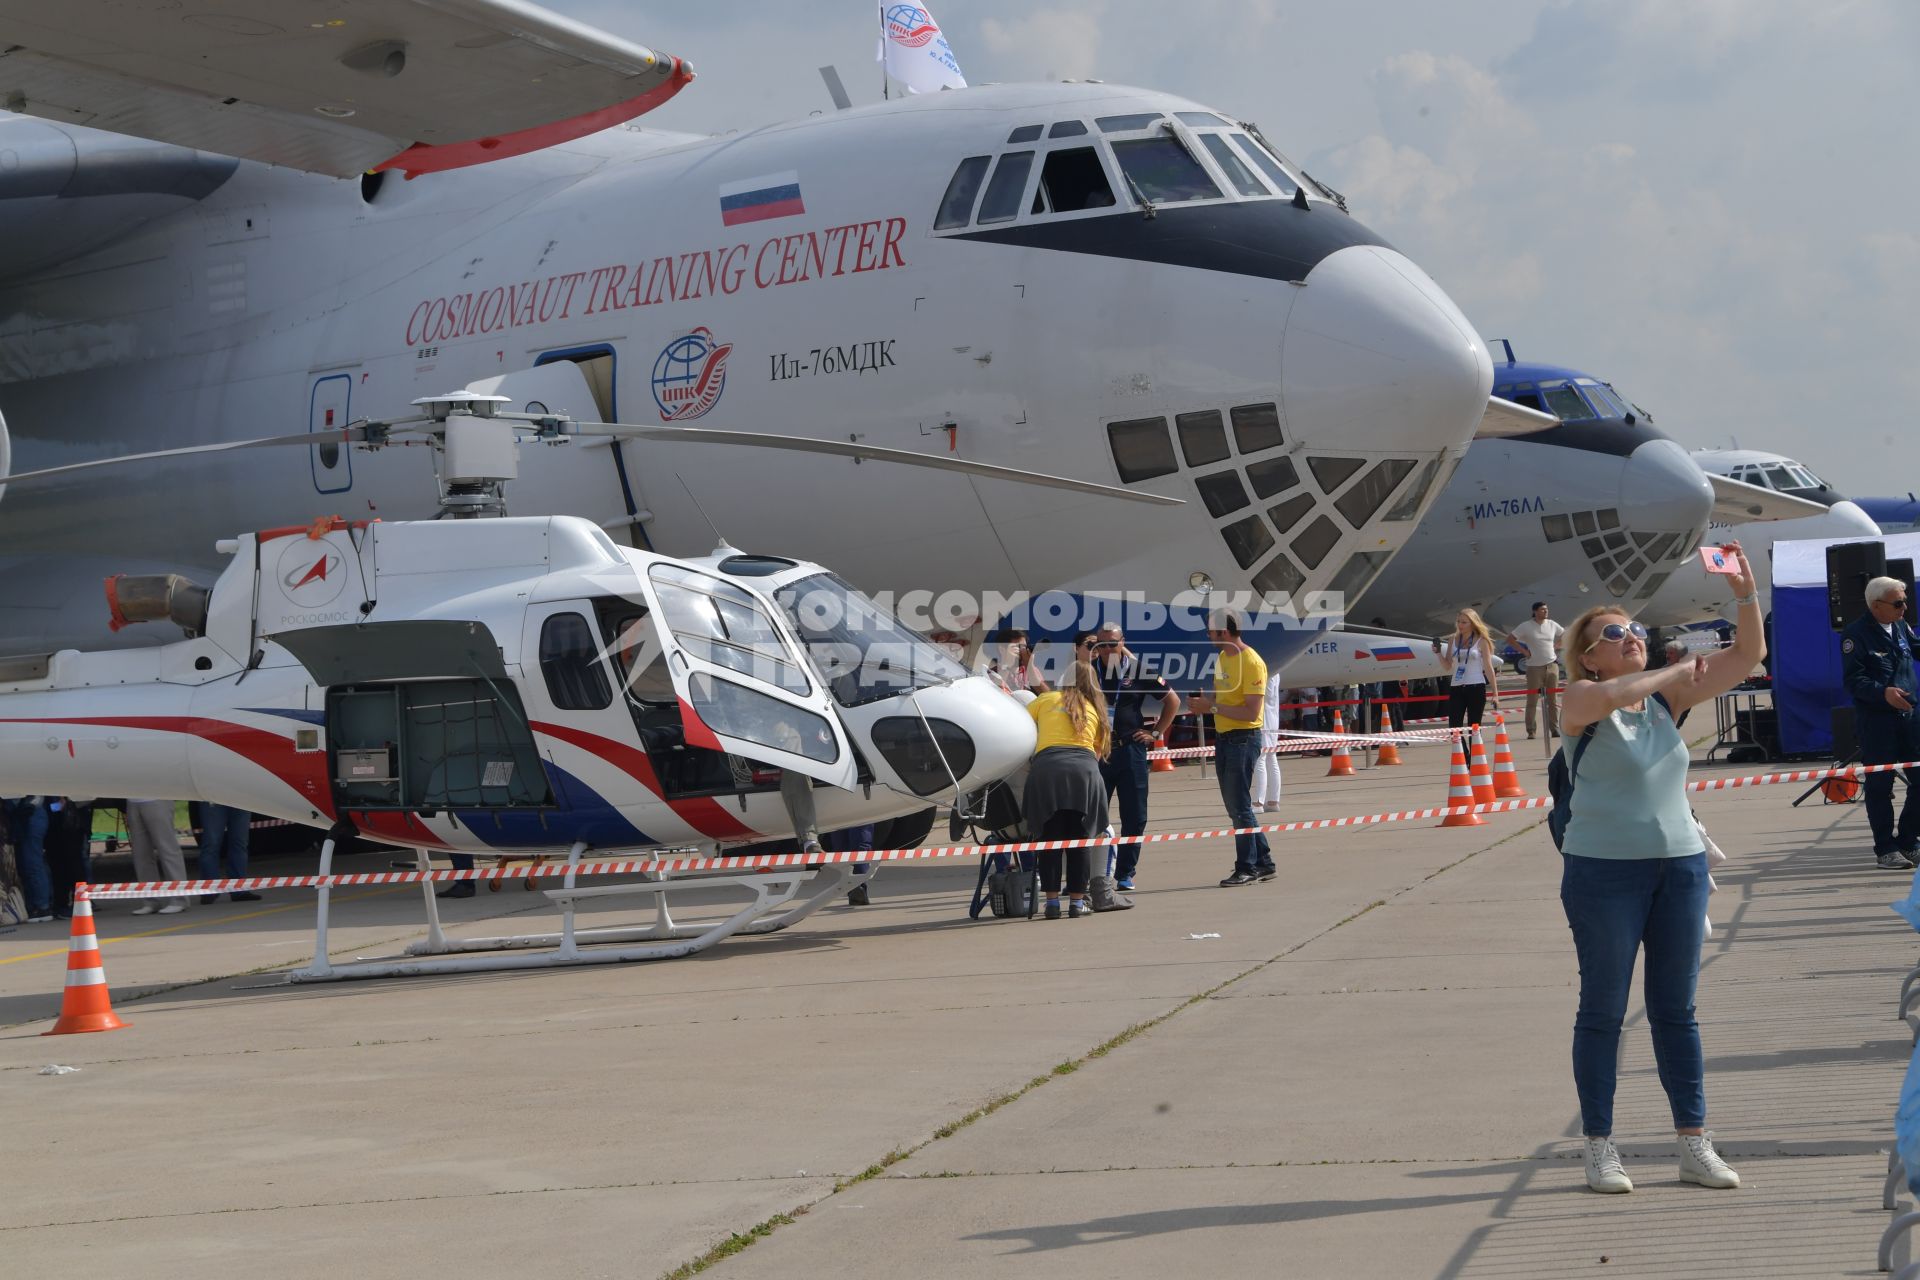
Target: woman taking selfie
pixel 1472 670
pixel 1634 872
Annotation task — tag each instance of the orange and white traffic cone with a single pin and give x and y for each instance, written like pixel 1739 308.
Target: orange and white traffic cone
pixel 1481 771
pixel 1459 793
pixel 1506 779
pixel 1342 765
pixel 1389 754
pixel 85 1005
pixel 1160 764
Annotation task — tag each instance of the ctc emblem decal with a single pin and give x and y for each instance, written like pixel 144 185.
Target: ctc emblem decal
pixel 312 573
pixel 689 375
pixel 909 25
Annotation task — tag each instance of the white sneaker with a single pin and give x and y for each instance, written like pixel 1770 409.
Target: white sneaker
pixel 1270 806
pixel 1700 1163
pixel 1605 1173
pixel 144 909
pixel 171 909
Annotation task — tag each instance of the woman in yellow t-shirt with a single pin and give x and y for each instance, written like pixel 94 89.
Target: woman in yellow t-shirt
pixel 1065 798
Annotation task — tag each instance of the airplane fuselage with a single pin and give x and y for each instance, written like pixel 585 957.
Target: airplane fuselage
pixel 1245 330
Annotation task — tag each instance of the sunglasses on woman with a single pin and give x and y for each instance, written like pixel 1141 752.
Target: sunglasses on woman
pixel 1614 632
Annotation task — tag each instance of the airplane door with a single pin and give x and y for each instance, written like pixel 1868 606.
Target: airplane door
pixel 328 410
pixel 741 681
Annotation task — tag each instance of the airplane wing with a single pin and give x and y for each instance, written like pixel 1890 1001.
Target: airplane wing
pixel 1737 502
pixel 1505 418
pixel 336 88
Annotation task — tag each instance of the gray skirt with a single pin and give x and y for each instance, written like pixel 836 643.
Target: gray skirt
pixel 1064 778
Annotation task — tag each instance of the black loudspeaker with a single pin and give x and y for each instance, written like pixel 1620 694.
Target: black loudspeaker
pixel 1903 570
pixel 1850 566
pixel 1845 744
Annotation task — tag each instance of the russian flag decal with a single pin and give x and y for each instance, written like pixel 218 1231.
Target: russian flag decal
pixel 1392 653
pixel 772 195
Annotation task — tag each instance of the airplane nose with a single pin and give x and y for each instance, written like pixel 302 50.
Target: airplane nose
pixel 1376 357
pixel 1665 489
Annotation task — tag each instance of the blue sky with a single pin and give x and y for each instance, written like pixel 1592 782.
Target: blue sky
pixel 1708 202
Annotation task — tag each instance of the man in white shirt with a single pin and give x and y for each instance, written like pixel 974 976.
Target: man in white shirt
pixel 1539 639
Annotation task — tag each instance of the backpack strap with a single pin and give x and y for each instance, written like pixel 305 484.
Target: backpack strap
pixel 1579 749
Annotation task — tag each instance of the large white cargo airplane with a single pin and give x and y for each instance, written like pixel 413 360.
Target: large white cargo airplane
pixel 1823 512
pixel 1113 286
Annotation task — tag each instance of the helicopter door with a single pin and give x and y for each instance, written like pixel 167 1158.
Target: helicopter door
pixel 742 685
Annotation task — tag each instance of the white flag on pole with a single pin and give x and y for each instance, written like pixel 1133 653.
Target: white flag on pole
pixel 915 52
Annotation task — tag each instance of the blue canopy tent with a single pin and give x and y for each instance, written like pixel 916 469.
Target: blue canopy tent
pixel 1806 661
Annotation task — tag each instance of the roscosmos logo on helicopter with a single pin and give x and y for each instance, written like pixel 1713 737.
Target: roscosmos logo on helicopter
pixel 689 374
pixel 312 573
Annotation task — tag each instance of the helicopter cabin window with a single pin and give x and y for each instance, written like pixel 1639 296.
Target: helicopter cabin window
pixel 1067 129
pixel 863 652
pixel 1163 171
pixel 1073 180
pixel 725 625
pixel 1282 181
pixel 956 207
pixel 1237 173
pixel 1008 184
pixel 1564 403
pixel 1025 133
pixel 570 664
pixel 752 716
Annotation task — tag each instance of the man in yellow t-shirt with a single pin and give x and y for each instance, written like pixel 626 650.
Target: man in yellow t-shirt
pixel 1238 703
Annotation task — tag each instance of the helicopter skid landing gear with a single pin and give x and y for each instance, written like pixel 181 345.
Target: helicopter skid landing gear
pixel 768 909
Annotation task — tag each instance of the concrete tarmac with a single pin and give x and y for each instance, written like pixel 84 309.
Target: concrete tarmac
pixel 1365 1073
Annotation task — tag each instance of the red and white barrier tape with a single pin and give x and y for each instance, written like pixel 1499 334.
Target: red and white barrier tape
pixel 556 866
pixel 1298 740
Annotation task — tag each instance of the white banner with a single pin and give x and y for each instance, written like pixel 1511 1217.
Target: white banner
pixel 915 52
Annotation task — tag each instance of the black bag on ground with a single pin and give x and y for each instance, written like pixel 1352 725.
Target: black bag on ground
pixel 1014 893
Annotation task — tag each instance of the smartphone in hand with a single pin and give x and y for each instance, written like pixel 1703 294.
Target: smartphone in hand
pixel 1719 560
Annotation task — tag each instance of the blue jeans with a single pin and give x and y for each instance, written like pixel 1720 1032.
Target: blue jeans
pixel 1616 906
pixel 1235 753
pixel 1125 773
pixel 27 827
pixel 223 837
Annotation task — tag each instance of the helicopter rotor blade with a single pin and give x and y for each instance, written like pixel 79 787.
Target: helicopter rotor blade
pixel 357 433
pixel 867 453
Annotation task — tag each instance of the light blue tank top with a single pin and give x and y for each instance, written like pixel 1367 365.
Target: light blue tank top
pixel 1629 797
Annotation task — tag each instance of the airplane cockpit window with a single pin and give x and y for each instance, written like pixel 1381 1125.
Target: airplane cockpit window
pixel 1127 124
pixel 863 652
pixel 1067 129
pixel 1604 400
pixel 1072 180
pixel 1778 477
pixel 1199 119
pixel 1164 171
pixel 716 621
pixel 956 207
pixel 1009 181
pixel 1803 478
pixel 1237 173
pixel 1564 403
pixel 1282 180
pixel 1025 133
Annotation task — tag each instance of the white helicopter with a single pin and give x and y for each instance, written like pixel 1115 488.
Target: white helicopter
pixel 513 686
pixel 1103 283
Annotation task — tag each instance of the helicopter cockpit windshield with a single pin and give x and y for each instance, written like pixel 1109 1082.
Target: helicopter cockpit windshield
pixel 863 652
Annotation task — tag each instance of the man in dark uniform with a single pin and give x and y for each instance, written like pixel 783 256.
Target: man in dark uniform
pixel 1877 662
pixel 1128 690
